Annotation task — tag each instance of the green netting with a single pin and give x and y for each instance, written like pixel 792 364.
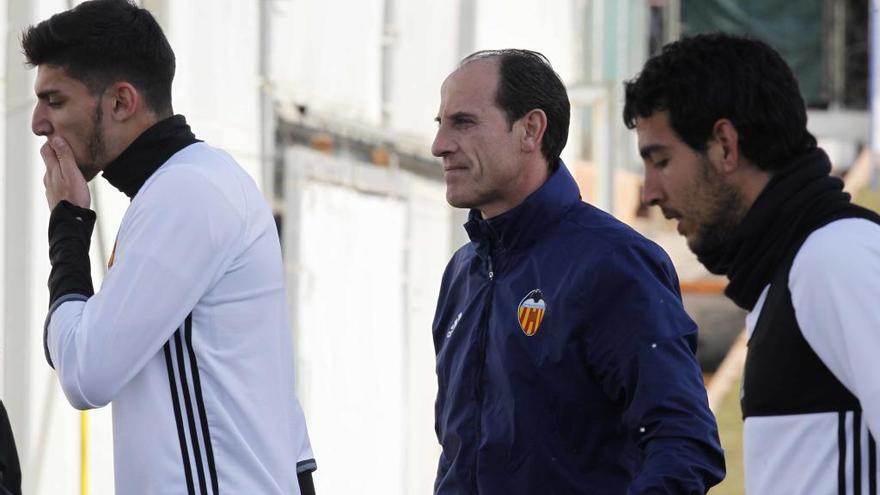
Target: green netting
pixel 792 27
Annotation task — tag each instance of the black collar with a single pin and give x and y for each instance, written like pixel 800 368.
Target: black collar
pixel 521 226
pixel 799 199
pixel 147 153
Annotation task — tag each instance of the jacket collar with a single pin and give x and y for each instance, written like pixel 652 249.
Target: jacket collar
pixel 521 226
pixel 149 151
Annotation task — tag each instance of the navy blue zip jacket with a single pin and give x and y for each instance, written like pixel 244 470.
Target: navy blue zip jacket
pixel 565 360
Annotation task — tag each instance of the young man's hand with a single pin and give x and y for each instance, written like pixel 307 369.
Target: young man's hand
pixel 63 180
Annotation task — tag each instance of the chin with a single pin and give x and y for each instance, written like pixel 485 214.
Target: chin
pixel 456 201
pixel 695 242
pixel 458 204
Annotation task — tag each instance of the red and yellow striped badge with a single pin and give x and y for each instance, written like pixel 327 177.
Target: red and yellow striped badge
pixel 531 311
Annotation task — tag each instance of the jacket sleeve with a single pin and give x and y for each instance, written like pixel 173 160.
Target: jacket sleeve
pixel 642 350
pixel 175 241
pixel 70 233
pixel 835 285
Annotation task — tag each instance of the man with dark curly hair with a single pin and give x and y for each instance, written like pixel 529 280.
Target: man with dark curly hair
pixel 722 131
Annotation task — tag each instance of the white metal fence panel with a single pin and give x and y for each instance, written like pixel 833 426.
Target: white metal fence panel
pixel 365 247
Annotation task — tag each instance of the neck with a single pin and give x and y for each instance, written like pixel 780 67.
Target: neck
pixel 147 152
pixel 130 130
pixel 751 182
pixel 534 174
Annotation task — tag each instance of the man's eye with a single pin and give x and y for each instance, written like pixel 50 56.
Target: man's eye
pixel 661 163
pixel 54 103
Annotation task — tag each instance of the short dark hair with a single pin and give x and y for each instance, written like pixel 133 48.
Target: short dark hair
pixel 100 42
pixel 707 77
pixel 527 81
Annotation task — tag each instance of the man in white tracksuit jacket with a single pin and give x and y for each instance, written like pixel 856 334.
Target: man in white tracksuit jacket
pixel 188 336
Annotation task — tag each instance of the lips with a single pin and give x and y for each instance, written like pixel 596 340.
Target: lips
pixel 674 215
pixel 670 214
pixel 452 172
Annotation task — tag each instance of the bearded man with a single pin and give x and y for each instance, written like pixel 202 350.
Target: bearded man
pixel 722 130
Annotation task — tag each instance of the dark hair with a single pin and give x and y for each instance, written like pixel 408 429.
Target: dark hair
pixel 527 81
pixel 707 77
pixel 100 42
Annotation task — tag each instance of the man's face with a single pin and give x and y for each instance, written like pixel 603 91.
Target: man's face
pixel 480 151
pixel 65 107
pixel 687 186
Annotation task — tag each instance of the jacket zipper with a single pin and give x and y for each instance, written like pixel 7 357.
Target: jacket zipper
pixel 481 353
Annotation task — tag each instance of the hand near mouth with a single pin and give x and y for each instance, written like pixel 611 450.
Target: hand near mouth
pixel 63 180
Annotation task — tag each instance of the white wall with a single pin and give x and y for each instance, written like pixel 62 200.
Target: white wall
pixel 547 27
pixel 350 322
pixel 365 248
pixel 326 54
pixel 3 57
pixel 217 82
pixel 428 245
pixel 424 53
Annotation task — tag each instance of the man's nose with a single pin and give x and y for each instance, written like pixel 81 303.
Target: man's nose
pixel 40 125
pixel 442 146
pixel 652 193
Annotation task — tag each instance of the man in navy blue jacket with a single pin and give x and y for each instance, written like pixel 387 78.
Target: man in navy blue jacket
pixel 565 360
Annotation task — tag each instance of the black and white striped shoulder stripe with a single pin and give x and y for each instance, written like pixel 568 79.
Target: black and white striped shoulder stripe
pixel 189 413
pixel 856 459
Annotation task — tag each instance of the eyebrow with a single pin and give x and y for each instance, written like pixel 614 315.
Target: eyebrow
pixel 646 151
pixel 457 116
pixel 44 95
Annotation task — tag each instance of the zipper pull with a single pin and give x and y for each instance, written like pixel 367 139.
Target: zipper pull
pixel 491 269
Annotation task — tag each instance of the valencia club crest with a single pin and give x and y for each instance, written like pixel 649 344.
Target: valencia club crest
pixel 531 311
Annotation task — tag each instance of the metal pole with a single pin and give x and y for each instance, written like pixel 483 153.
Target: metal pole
pixel 837 52
pixel 389 35
pixel 467 27
pixel 84 452
pixel 267 106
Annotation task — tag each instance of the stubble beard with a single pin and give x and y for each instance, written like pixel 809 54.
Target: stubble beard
pixel 724 204
pixel 96 147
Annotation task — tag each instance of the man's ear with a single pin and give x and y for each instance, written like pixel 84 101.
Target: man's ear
pixel 125 99
pixel 724 145
pixel 534 125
